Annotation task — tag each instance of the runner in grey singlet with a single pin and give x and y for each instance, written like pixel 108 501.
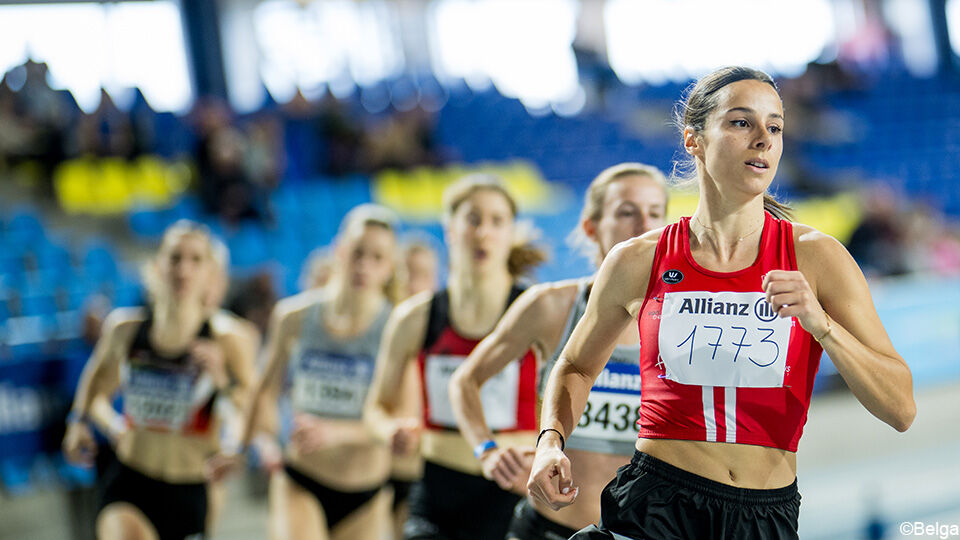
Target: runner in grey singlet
pixel 330 376
pixel 608 425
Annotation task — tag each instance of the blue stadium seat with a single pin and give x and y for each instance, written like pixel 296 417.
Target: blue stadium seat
pixel 187 207
pixel 147 222
pixel 24 225
pixel 248 246
pixel 38 304
pixel 53 257
pixel 99 262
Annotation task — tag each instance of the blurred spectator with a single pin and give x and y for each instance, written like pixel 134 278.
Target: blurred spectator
pixel 323 137
pixel 263 159
pixel 39 119
pixel 932 244
pixel 108 132
pixel 400 141
pixel 253 299
pixel 226 188
pixel 877 243
pixel 811 117
pixel 15 134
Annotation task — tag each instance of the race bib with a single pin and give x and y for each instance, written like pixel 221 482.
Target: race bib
pixel 731 339
pixel 498 395
pixel 329 384
pixel 613 406
pixel 160 398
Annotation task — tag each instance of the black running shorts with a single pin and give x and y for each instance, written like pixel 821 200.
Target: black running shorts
pixel 336 504
pixel 450 505
pixel 528 524
pixel 651 499
pixel 176 511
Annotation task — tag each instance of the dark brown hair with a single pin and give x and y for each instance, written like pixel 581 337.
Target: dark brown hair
pixel 700 99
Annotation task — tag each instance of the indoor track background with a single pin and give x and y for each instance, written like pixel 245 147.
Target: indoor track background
pixel 302 110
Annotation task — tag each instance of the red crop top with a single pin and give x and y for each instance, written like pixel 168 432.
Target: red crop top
pixel 509 398
pixel 716 363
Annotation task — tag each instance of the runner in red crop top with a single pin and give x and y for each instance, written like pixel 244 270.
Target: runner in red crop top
pixel 438 331
pixel 730 369
pixel 509 399
pixel 731 304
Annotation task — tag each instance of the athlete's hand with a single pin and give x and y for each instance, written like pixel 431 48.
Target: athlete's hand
pixel 268 453
pixel 509 467
pixel 405 436
pixel 79 446
pixel 790 295
pixel 551 479
pixel 311 433
pixel 209 355
pixel 220 465
pixel 117 429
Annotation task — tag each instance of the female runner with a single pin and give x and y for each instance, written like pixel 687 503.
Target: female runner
pixel 420 274
pixel 734 305
pixel 438 331
pixel 170 364
pixel 324 342
pixel 622 202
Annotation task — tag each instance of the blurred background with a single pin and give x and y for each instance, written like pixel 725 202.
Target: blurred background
pixel 268 120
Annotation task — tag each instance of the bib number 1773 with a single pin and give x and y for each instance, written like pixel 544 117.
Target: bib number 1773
pixel 731 339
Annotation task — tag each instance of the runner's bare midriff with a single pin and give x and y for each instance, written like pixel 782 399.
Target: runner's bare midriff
pixel 344 468
pixel 739 465
pixel 168 457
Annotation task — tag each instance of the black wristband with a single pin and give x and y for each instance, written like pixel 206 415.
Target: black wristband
pixel 562 443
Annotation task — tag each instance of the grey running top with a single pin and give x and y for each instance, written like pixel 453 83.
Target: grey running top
pixel 330 376
pixel 609 422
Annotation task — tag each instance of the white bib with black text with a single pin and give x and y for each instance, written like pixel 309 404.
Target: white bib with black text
pixel 498 395
pixel 729 339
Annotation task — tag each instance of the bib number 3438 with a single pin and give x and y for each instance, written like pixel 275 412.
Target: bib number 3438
pixel 731 339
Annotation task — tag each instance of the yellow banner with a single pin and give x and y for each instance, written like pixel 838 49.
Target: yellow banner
pixel 417 194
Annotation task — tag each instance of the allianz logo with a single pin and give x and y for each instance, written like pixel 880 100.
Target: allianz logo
pixel 706 306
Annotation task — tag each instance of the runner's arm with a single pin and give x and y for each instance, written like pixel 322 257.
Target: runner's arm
pixel 402 338
pixel 613 304
pixel 534 318
pixel 856 341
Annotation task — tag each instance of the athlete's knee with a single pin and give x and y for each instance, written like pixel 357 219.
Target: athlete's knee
pixel 120 521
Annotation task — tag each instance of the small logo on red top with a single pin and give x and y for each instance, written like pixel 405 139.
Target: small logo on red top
pixel 672 277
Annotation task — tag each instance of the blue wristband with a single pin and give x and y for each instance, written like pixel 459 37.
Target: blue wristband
pixel 74 417
pixel 481 448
